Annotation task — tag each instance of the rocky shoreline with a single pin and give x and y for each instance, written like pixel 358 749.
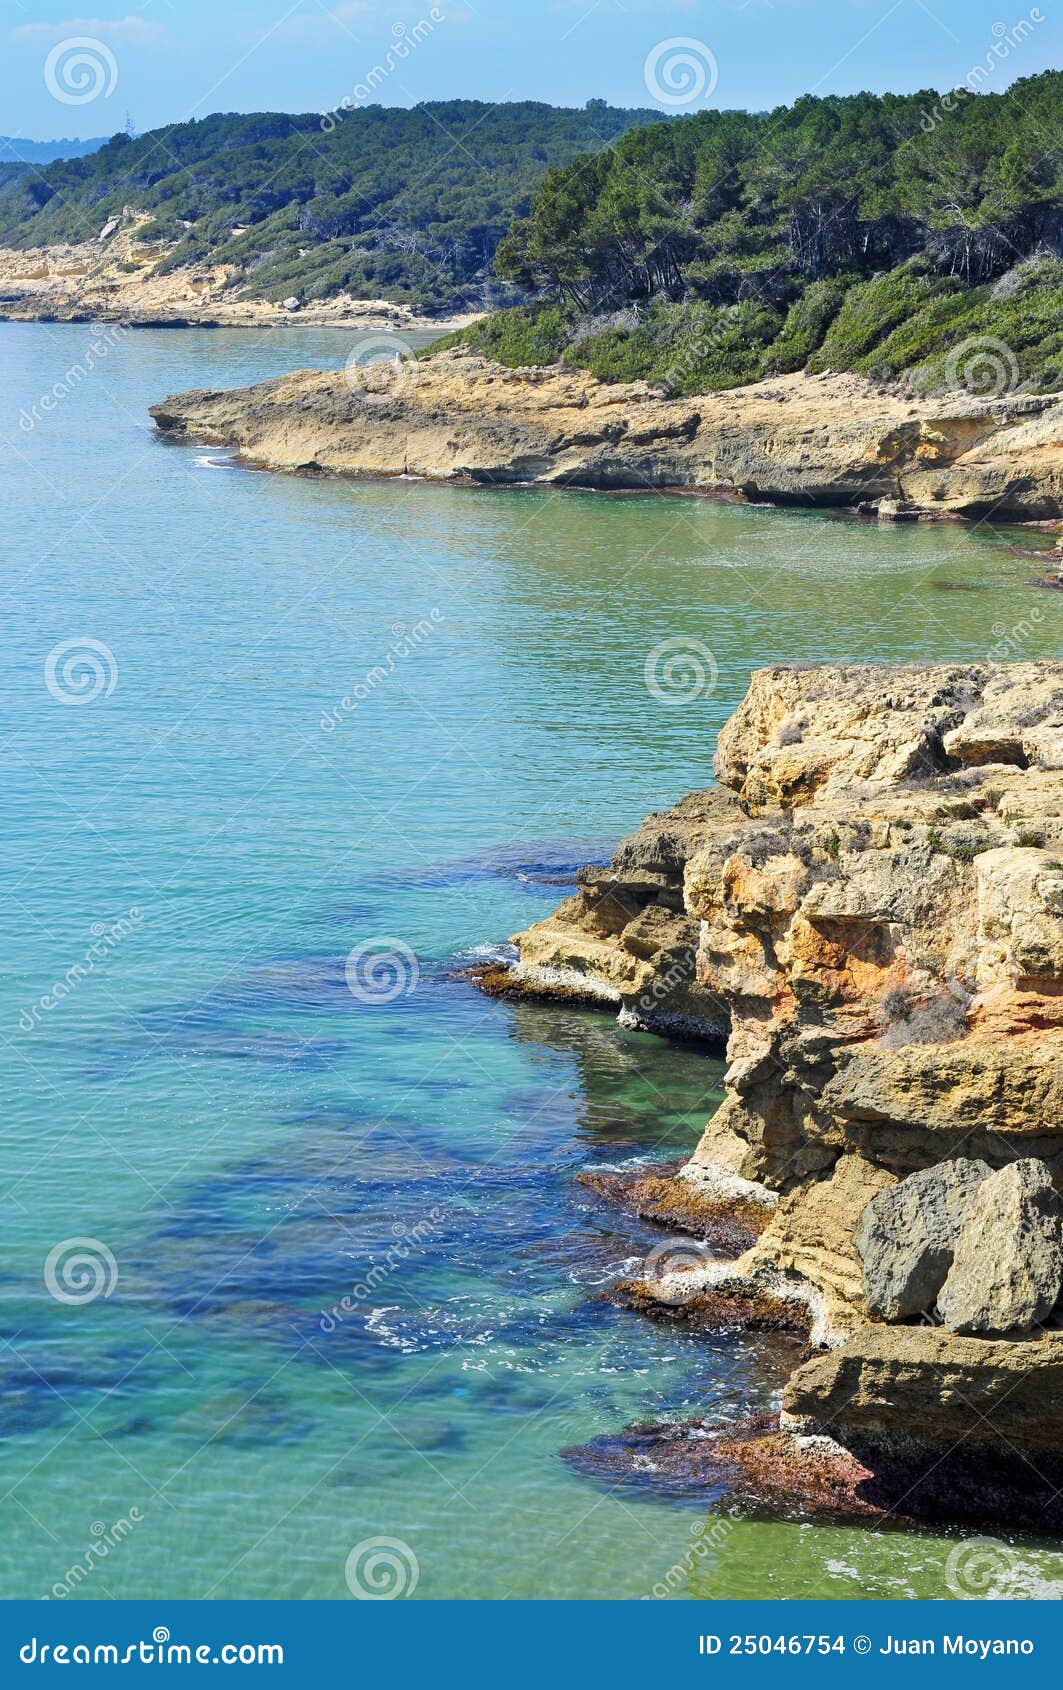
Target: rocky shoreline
pixel 830 440
pixel 113 279
pixel 870 906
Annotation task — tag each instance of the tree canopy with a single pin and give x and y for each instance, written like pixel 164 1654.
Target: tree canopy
pixel 809 233
pixel 718 204
pixel 380 202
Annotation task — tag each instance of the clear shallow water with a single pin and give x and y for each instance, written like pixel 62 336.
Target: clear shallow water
pixel 247 1138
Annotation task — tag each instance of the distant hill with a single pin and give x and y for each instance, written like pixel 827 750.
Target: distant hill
pixel 378 202
pixel 19 157
pixel 15 150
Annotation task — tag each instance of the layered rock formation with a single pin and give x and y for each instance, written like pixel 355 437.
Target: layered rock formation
pixel 626 938
pixel 830 439
pixel 877 892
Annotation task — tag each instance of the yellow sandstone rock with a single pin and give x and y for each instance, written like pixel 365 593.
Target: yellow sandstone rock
pixel 835 439
pixel 877 892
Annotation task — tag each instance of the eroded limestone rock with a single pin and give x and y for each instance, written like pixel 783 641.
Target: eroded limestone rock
pixel 876 890
pixel 1007 1266
pixel 885 927
pixel 923 1383
pixel 625 939
pixel 878 923
pixel 804 1257
pixel 906 1236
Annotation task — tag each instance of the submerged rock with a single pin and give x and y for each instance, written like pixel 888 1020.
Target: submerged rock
pixel 746 1467
pixel 760 1468
pixel 905 1237
pixel 728 1221
pixel 1007 1267
pixel 723 1307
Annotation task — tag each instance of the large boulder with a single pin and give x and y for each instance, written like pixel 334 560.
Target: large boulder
pixel 1007 1264
pixel 905 1237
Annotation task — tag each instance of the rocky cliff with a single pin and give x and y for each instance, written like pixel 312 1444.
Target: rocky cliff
pixel 872 905
pixel 830 439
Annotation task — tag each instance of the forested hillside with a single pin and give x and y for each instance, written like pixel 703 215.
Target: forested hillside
pixel 878 234
pixel 401 204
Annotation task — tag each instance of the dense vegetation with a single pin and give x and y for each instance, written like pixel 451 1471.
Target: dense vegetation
pixel 876 234
pixel 399 204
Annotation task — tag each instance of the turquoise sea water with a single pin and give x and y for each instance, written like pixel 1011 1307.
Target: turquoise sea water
pixel 245 1138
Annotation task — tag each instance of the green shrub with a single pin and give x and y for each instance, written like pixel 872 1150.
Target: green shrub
pixel 870 312
pixel 521 336
pixel 807 322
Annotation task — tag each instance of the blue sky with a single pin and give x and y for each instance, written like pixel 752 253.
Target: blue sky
pixel 165 60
